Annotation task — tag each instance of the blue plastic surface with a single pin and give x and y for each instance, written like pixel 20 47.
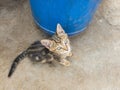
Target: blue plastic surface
pixel 73 15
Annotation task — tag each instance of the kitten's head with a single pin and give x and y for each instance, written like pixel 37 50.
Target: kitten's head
pixel 60 43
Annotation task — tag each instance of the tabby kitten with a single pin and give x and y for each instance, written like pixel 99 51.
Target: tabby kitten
pixel 59 44
pixel 56 48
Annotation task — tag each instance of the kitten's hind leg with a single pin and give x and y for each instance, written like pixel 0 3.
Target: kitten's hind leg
pixel 49 57
pixel 44 61
pixel 35 58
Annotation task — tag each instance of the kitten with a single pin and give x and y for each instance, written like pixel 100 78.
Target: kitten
pixel 56 48
pixel 59 45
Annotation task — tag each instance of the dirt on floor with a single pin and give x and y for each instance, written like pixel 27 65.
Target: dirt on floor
pixel 95 64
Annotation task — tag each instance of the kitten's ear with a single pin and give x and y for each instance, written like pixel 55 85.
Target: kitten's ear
pixel 47 43
pixel 60 29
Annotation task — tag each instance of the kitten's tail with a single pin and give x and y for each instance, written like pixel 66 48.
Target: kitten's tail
pixel 16 62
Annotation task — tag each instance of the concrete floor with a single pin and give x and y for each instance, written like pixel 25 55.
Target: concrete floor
pixel 94 66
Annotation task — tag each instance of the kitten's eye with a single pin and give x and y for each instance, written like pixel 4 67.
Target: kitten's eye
pixel 58 48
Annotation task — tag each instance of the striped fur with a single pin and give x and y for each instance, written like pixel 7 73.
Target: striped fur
pixel 16 62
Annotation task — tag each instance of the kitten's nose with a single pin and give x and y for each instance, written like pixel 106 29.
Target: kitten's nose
pixel 65 48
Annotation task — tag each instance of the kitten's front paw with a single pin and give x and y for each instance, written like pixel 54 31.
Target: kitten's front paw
pixel 70 54
pixel 65 62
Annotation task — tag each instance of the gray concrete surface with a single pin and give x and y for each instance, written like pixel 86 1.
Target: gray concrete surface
pixel 95 64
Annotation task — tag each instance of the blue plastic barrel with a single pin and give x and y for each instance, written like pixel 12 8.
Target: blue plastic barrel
pixel 73 15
